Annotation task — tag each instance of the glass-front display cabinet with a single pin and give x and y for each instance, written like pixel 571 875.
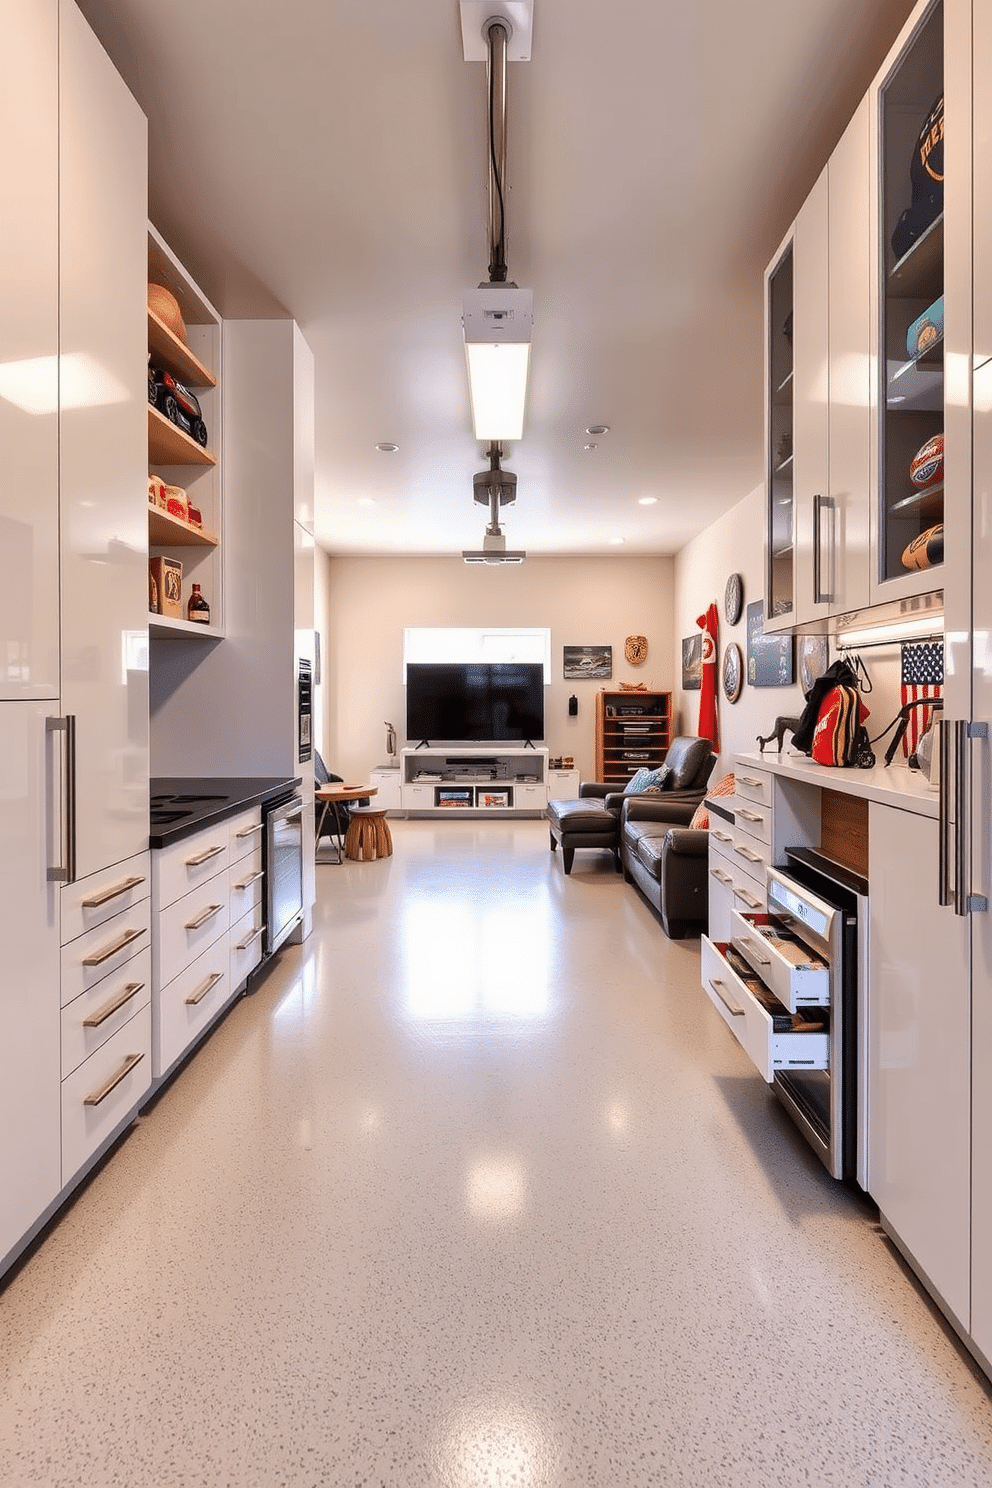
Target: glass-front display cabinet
pixel 911 303
pixel 779 483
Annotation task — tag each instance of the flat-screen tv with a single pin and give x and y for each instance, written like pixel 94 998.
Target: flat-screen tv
pixel 492 702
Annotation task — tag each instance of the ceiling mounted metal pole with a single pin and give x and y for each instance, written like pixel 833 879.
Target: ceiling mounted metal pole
pixel 497 38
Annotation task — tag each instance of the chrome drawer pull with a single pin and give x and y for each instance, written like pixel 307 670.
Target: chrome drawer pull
pixel 249 831
pixel 201 992
pixel 202 919
pixel 243 945
pixel 98 957
pixel 752 857
pixel 745 940
pixel 751 781
pixel 732 1007
pixel 246 883
pixel 754 816
pixel 204 856
pixel 95 1019
pixel 720 876
pixel 105 895
pixel 749 899
pixel 114 1081
pixel 721 836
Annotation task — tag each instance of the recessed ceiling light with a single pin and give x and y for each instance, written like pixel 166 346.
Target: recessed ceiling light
pixel 598 429
pixel 590 446
pixel 366 501
pixel 387 448
pixel 647 501
pixel 615 542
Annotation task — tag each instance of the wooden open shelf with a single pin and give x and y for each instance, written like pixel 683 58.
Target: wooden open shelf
pixel 168 531
pixel 169 445
pixel 175 356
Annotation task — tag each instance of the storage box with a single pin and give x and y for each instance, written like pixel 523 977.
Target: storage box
pixel 168 576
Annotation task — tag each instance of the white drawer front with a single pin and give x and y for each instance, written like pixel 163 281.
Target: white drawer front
pixel 530 797
pixel 748 893
pixel 184 929
pixel 245 835
pixel 753 785
pixel 416 797
pixel 183 1009
pixel 93 900
pixel 752 1026
pixel 796 983
pixel 245 882
pixel 755 820
pixel 750 853
pixel 187 864
pixel 246 945
pixel 94 1016
pixel 104 1090
pixel 721 836
pixel 104 950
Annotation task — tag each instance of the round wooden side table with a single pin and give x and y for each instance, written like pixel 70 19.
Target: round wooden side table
pixel 368 836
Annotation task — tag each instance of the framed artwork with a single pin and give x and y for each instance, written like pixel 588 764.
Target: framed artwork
pixel 692 662
pixel 587 661
pixel 770 659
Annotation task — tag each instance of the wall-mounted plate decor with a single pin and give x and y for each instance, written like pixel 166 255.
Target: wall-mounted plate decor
pixel 733 672
pixel 733 599
pixel 812 660
pixel 635 649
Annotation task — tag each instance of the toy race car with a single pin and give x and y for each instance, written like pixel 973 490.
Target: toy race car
pixel 177 403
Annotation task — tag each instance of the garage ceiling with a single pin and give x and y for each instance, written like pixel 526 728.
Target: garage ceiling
pixel 326 159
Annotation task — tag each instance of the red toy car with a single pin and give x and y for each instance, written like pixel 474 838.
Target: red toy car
pixel 177 403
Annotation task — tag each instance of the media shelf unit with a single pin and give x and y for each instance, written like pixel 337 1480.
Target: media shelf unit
pixel 481 780
pixel 633 732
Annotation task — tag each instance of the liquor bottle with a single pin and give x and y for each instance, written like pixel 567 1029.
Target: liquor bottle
pixel 198 609
pixel 153 608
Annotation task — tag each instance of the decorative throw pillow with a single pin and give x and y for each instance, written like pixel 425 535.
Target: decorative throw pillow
pixel 645 780
pixel 725 786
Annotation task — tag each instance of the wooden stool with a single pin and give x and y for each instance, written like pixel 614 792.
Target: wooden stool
pixel 368 836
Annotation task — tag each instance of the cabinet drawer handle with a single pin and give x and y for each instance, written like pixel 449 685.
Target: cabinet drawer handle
pixel 754 816
pixel 107 1011
pixel 201 991
pixel 249 831
pixel 752 781
pixel 246 883
pixel 98 957
pixel 745 940
pixel 115 1079
pixel 204 856
pixel 721 836
pixel 749 899
pixel 732 1007
pixel 242 945
pixel 202 919
pixel 752 857
pixel 105 895
pixel 720 876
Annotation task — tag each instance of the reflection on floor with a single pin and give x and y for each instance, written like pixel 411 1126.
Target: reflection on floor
pixel 476 1191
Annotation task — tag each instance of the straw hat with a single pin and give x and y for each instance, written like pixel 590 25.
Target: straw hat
pixel 166 307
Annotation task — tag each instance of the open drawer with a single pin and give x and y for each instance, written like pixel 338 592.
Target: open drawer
pixel 797 976
pixel 754 1025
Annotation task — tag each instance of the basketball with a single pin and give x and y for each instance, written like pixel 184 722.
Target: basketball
pixel 165 305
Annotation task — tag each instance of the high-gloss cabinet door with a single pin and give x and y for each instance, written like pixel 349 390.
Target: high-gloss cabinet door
pixel 103 446
pixel 29 328
pixel 919 1097
pixel 30 1157
pixel 812 406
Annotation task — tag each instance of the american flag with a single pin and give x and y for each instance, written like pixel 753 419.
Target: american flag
pixel 919 718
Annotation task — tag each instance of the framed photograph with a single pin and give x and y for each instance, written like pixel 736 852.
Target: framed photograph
pixel 692 662
pixel 587 661
pixel 770 659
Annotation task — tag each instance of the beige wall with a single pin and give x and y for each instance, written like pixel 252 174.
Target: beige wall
pixel 363 605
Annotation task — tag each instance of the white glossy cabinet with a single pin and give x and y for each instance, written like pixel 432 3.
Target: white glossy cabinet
pixel 386 780
pixel 29 266
pixel 919 1056
pixel 812 398
pixel 30 1157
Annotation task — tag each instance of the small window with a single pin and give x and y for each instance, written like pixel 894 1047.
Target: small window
pixel 455 643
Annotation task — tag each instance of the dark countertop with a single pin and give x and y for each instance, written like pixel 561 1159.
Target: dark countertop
pixel 182 805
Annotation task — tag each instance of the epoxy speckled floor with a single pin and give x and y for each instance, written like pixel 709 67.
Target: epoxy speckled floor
pixel 476 1191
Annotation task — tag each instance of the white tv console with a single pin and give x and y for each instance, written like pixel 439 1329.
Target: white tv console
pixel 481 779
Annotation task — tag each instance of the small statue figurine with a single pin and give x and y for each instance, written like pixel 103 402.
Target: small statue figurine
pixel 778 733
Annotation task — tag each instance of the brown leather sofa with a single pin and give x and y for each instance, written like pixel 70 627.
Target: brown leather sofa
pixel 594 819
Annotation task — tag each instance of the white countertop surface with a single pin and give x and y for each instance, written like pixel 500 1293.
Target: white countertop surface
pixel 891 785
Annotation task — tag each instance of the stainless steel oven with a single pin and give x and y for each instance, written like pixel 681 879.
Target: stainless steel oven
pixel 283 867
pixel 790 984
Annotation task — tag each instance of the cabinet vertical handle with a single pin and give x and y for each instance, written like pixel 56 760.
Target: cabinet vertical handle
pixel 943 814
pixel 66 873
pixel 961 873
pixel 820 503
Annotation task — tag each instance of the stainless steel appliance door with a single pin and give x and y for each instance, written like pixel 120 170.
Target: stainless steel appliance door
pixel 283 869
